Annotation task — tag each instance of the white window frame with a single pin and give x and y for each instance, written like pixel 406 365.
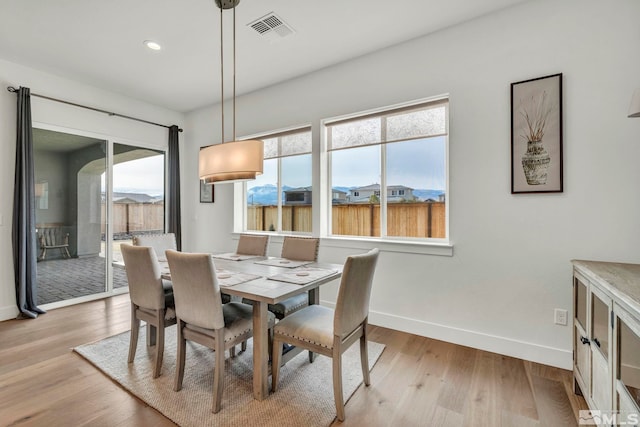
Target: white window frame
pixel 432 246
pixel 240 189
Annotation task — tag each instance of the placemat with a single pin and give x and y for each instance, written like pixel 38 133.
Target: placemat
pixel 283 262
pixel 302 276
pixel 232 256
pixel 226 278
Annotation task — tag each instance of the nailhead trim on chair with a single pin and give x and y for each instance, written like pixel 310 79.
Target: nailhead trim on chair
pixel 276 308
pixel 305 340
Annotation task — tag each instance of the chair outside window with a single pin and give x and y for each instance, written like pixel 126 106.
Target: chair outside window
pixel 330 332
pixel 151 300
pixel 203 318
pixel 159 242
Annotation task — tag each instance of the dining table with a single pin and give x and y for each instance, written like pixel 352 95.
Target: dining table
pixel 264 281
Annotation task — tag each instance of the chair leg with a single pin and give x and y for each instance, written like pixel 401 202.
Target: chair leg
pixel 182 348
pixel 159 343
pixel 67 252
pixel 232 351
pixel 364 359
pixel 243 346
pixel 218 374
pixel 135 329
pixel 276 354
pixel 337 382
pixel 312 356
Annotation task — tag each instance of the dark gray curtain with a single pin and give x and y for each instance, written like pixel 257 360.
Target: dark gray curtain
pixel 174 186
pixel 24 218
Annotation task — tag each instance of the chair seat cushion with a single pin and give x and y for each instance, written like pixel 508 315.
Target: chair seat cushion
pixel 238 320
pixel 168 295
pixel 286 307
pixel 290 305
pixel 312 324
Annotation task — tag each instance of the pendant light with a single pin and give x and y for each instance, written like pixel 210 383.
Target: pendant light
pixel 235 160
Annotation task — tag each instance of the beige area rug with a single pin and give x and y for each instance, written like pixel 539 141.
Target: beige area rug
pixel 304 396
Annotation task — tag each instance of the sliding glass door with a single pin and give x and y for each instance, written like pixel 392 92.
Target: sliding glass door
pixel 91 196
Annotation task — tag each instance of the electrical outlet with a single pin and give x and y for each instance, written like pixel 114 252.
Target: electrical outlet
pixel 560 317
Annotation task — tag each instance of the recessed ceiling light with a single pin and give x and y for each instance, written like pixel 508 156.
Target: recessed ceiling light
pixel 152 45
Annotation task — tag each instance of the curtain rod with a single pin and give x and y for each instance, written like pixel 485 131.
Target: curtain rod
pixel 13 89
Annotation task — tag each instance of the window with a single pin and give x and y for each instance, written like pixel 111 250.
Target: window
pixel 393 166
pixel 280 198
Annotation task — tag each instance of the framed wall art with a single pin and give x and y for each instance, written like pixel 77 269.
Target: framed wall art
pixel 206 192
pixel 536 135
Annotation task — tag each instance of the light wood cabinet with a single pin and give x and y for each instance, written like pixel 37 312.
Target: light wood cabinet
pixel 606 339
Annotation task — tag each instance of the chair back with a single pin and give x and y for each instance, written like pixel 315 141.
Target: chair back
pixel 300 248
pixel 159 243
pixel 143 274
pixel 195 289
pixel 249 244
pixel 352 306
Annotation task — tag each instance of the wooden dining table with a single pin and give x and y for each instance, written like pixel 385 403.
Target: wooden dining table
pixel 264 291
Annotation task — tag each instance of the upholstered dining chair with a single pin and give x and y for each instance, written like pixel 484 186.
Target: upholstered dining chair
pixel 251 244
pixel 159 242
pixel 331 332
pixel 298 249
pixel 203 318
pixel 151 299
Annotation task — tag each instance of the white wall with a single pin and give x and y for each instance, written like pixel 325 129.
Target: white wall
pixel 69 118
pixel 511 264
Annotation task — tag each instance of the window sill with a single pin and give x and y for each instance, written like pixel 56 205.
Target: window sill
pixel 386 245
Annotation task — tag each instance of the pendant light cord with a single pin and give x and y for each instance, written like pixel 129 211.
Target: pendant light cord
pixel 222 70
pixel 221 77
pixel 234 71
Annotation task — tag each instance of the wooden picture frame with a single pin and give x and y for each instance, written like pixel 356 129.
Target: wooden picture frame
pixel 206 192
pixel 536 135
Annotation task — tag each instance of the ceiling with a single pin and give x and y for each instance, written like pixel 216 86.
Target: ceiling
pixel 100 43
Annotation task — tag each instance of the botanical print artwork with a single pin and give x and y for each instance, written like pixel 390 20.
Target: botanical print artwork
pixel 536 135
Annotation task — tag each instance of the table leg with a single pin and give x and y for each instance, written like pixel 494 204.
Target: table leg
pixel 260 351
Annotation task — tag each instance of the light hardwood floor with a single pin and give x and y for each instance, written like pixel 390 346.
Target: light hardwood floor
pixel 417 381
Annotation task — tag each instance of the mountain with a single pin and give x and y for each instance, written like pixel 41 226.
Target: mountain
pixel 264 194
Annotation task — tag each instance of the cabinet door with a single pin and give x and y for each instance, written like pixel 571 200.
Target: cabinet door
pixel 581 337
pixel 627 366
pixel 601 381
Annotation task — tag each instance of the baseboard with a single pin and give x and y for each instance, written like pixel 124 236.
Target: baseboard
pixel 9 312
pixel 509 347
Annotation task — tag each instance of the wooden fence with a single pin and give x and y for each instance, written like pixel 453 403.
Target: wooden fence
pixel 136 217
pixel 424 219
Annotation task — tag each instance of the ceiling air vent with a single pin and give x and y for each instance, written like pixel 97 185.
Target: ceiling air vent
pixel 271 27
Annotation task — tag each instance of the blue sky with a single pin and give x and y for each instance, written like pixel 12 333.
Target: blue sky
pixel 417 164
